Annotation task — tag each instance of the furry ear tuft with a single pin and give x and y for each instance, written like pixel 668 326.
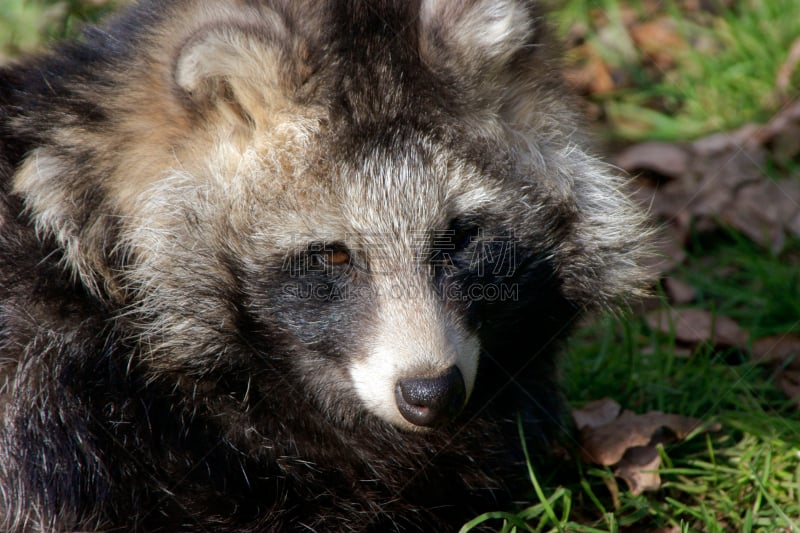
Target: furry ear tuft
pixel 235 69
pixel 481 34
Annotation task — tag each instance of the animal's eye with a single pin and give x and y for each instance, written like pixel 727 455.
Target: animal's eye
pixel 337 257
pixel 326 255
pixel 463 233
pixel 449 247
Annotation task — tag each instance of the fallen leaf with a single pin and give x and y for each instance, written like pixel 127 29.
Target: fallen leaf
pixel 606 444
pixel 596 413
pixel 659 41
pixel 679 292
pixel 719 179
pixel 728 142
pixel 593 76
pixel 661 158
pixel 639 469
pixel 628 441
pixel 693 326
pixel 628 15
pixel 768 227
pixel 780 134
pixel 721 176
pixel 788 381
pixel 783 350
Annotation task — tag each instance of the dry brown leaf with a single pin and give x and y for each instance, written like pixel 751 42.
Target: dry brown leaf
pixel 606 444
pixel 733 170
pixel 679 292
pixel 596 413
pixel 720 178
pixel 664 159
pixel 628 15
pixel 628 442
pixel 785 146
pixel 639 469
pixel 789 382
pixel 783 350
pixel 728 143
pixel 693 326
pixel 601 79
pixel 659 40
pixel 593 76
pixel 778 123
pixel 782 133
pixel 763 211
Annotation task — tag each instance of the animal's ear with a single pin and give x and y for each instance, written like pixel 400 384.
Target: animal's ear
pixel 239 70
pixel 498 53
pixel 480 36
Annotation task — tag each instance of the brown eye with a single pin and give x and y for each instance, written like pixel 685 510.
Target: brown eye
pixel 337 257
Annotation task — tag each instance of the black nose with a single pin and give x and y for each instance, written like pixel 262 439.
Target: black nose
pixel 431 401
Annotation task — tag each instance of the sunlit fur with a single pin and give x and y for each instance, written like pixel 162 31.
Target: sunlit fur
pixel 172 356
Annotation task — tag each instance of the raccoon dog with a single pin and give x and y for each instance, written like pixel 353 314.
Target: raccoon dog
pixel 290 264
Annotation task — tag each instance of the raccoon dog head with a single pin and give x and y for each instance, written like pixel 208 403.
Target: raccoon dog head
pixel 368 198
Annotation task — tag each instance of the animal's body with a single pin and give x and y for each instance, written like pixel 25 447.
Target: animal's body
pixel 285 264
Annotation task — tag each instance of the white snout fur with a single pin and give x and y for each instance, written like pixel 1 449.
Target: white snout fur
pixel 412 339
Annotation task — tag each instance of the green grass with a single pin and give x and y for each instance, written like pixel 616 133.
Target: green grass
pixel 26 24
pixel 745 477
pixel 725 77
pixel 760 288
